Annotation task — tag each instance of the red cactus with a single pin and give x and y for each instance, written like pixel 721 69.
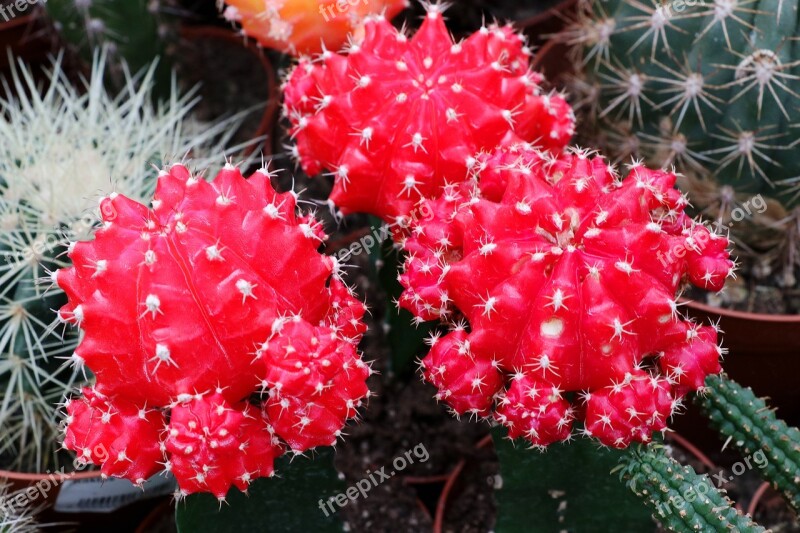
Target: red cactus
pixel 567 276
pixel 397 117
pixel 191 308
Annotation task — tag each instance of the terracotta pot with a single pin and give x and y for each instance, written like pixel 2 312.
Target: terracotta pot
pixel 763 353
pixel 121 520
pixel 21 481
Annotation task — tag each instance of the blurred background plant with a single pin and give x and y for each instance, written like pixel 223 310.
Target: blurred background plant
pixel 299 27
pixel 135 31
pixel 63 148
pixel 711 88
pixel 13 520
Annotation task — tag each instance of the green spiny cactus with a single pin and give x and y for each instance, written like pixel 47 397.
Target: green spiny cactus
pixel 63 149
pixel 132 30
pixel 751 426
pixel 711 87
pixel 682 500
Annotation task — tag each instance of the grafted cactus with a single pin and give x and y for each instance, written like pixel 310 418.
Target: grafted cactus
pixel 711 87
pixel 398 117
pixel 245 335
pixel 567 276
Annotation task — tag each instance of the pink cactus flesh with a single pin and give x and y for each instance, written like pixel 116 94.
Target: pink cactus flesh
pixel 397 117
pixel 208 310
pixel 567 277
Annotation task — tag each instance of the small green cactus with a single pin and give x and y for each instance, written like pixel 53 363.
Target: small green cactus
pixel 751 426
pixel 62 150
pixel 682 500
pixel 132 30
pixel 711 87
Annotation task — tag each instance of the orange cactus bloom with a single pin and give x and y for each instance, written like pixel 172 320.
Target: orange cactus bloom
pixel 301 27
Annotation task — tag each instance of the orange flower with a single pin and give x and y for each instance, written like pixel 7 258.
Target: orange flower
pixel 302 26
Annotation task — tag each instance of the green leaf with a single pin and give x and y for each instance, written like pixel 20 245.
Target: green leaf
pixel 569 487
pixel 290 502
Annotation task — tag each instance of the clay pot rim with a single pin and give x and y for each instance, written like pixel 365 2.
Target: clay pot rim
pixel 13 475
pixel 741 315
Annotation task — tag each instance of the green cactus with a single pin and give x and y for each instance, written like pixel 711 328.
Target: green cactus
pixel 132 30
pixel 711 87
pixel 682 500
pixel 752 427
pixel 63 149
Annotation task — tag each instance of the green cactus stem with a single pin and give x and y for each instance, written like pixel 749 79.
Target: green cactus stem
pixel 752 427
pixel 682 500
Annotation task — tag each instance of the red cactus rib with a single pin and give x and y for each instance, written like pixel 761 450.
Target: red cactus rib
pixel 567 277
pixel 218 287
pixel 398 117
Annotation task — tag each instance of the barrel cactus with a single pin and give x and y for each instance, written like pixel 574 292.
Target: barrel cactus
pixel 710 87
pixel 15 518
pixel 61 149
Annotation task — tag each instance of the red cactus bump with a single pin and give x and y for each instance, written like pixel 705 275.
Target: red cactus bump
pixel 396 118
pixel 567 277
pixel 198 310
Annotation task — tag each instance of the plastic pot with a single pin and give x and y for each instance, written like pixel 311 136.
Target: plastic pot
pixel 763 353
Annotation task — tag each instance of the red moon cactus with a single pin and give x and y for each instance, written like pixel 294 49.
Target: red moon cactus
pixel 217 332
pixel 398 117
pixel 567 277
